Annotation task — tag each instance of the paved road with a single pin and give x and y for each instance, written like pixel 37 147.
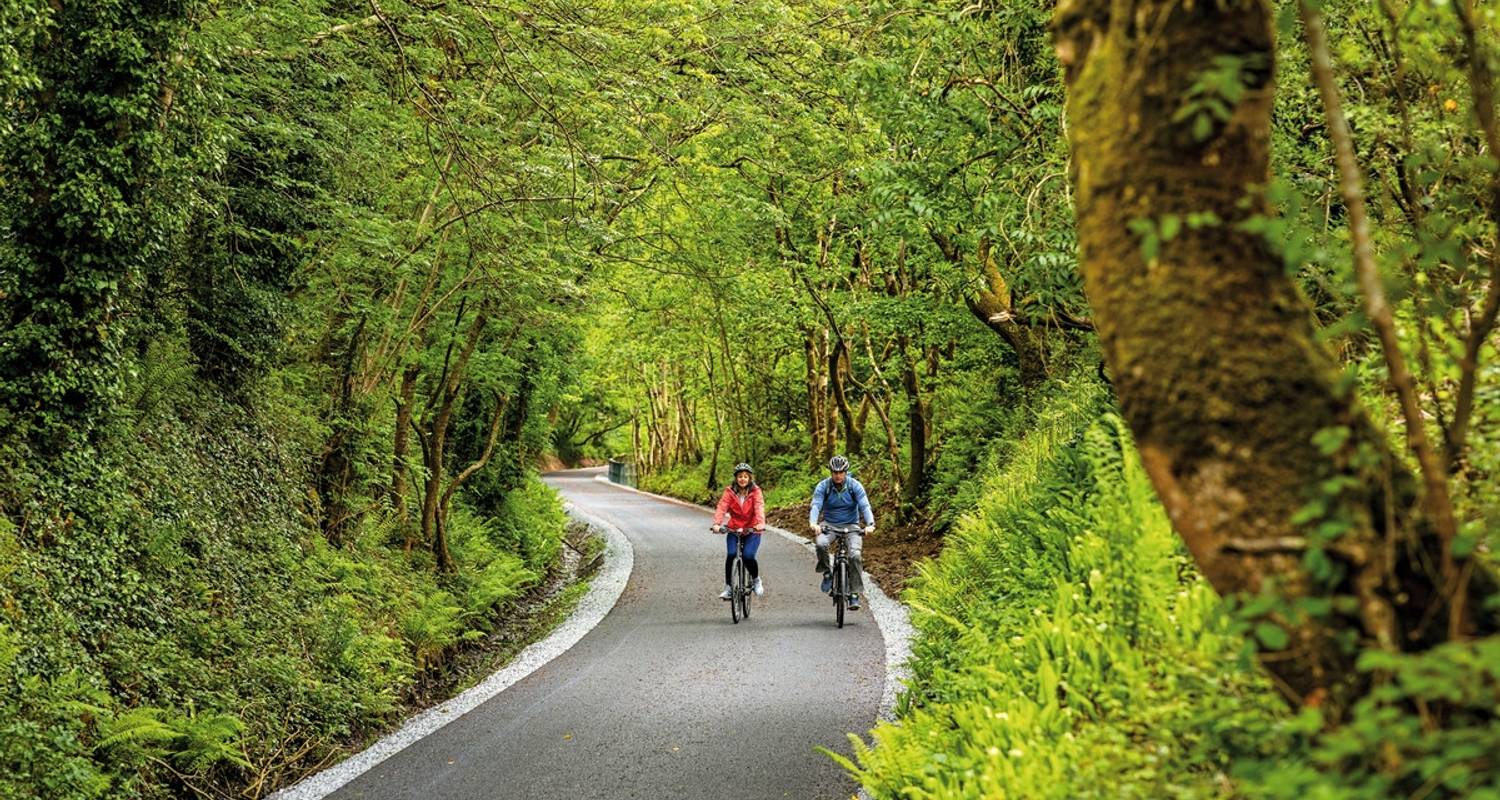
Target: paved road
pixel 666 698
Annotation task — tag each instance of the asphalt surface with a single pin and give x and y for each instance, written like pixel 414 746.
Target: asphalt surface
pixel 666 698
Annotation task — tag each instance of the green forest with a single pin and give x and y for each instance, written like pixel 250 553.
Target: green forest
pixel 1162 333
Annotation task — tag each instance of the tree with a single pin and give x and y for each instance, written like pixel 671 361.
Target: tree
pixel 1276 479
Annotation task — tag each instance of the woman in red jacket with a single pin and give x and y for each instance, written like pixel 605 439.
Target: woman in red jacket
pixel 742 508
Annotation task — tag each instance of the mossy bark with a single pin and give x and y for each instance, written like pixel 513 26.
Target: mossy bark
pixel 992 306
pixel 1212 347
pixel 918 428
pixel 400 445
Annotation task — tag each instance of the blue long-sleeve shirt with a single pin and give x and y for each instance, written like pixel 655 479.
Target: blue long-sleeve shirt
pixel 837 505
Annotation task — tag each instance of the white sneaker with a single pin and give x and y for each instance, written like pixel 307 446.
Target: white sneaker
pixel 726 594
pixel 760 591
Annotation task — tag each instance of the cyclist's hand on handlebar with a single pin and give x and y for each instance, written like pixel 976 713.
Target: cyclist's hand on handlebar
pixel 714 528
pixel 760 527
pixel 869 529
pixel 816 528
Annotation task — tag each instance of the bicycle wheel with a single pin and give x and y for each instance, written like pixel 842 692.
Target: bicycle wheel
pixel 737 574
pixel 747 591
pixel 838 592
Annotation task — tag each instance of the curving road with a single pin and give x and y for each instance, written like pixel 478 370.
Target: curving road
pixel 666 698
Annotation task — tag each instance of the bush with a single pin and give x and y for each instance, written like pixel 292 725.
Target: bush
pixel 1428 730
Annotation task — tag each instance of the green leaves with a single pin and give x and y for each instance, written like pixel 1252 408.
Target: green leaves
pixel 1271 636
pixel 1210 100
pixel 1152 233
pixel 83 204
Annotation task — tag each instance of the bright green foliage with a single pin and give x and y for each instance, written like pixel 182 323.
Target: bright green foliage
pixel 527 525
pixel 1066 647
pixel 244 249
pixel 899 157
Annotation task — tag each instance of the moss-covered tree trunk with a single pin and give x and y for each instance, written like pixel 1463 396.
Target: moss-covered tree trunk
pixel 992 306
pixel 1235 405
pixel 404 400
pixel 838 371
pixel 819 435
pixel 917 429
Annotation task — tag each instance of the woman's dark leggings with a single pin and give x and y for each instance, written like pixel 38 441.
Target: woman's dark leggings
pixel 752 544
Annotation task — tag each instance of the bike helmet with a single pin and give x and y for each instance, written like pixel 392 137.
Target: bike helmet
pixel 743 467
pixel 838 464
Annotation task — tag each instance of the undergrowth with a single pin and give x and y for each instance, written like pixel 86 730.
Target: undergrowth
pixel 197 631
pixel 1066 647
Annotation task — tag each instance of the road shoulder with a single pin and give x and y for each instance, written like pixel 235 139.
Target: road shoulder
pixel 604 591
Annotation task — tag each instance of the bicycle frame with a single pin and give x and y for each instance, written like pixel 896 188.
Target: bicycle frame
pixel 740 588
pixel 838 561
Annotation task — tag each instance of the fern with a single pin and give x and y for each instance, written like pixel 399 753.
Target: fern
pixel 206 740
pixel 1058 651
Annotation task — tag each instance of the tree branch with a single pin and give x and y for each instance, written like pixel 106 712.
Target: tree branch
pixel 489 449
pixel 1481 89
pixel 1434 476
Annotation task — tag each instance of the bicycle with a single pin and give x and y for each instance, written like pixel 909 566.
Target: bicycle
pixel 839 568
pixel 740 587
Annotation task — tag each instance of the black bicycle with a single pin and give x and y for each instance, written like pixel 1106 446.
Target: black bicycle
pixel 740 587
pixel 839 564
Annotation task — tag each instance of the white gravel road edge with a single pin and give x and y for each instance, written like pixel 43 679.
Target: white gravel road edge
pixel 891 617
pixel 604 590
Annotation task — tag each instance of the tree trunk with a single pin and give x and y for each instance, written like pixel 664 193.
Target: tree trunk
pixel 882 406
pixel 822 449
pixel 916 421
pixel 335 477
pixel 434 442
pixel 475 466
pixel 838 365
pixel 402 438
pixel 1212 348
pixel 718 412
pixel 992 306
pixel 519 413
pixel 828 405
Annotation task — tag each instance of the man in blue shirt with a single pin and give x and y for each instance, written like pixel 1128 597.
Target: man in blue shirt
pixel 840 500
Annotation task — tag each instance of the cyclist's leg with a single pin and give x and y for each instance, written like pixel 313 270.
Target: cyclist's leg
pixel 853 546
pixel 731 545
pixel 820 544
pixel 822 566
pixel 752 545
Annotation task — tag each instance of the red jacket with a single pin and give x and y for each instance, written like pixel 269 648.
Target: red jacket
pixel 742 512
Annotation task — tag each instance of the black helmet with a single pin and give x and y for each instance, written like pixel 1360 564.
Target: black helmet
pixel 838 464
pixel 743 467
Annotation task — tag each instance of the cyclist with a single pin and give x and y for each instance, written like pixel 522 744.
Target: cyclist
pixel 741 507
pixel 839 499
